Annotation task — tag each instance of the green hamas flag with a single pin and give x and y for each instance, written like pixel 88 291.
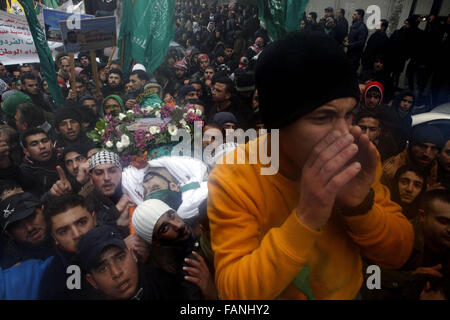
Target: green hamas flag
pixel 45 55
pixel 51 3
pixel 146 31
pixel 281 16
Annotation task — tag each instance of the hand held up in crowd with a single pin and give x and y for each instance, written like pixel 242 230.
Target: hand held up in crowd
pixel 62 186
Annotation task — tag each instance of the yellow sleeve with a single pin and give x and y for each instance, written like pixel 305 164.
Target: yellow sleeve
pixel 384 234
pixel 249 263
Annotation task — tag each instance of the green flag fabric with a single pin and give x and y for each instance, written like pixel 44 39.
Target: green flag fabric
pixel 51 3
pixel 45 55
pixel 146 31
pixel 281 16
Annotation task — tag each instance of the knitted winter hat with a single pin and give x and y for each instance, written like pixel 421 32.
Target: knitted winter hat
pixel 104 157
pixel 146 215
pixel 66 113
pixel 299 73
pixel 427 134
pixel 10 105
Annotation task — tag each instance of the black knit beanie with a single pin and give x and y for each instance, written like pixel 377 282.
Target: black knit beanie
pixel 66 113
pixel 427 134
pixel 299 73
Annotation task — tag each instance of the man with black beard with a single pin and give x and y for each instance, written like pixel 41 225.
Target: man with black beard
pixel 115 84
pixel 161 227
pixel 107 199
pixel 30 86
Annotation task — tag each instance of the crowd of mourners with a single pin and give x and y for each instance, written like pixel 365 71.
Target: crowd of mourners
pixel 66 202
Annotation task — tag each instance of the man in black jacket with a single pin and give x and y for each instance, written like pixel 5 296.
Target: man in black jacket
pixel 30 86
pixel 376 45
pixel 357 38
pixel 38 170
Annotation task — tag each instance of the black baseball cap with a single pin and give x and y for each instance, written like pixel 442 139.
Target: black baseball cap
pixel 17 207
pixel 92 244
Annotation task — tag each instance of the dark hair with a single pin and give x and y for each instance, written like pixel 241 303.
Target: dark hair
pixel 116 71
pixel 313 15
pixel 343 11
pixel 30 132
pixel 227 82
pixel 58 205
pixel 197 101
pixel 430 196
pixel 367 114
pixel 8 185
pixel 384 23
pixel 360 12
pixel 418 282
pixel 80 79
pixel 141 74
pixel 28 76
pixel 395 194
pixel 31 115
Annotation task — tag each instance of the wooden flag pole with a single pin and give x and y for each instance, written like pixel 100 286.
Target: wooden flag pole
pixel 72 68
pixel 94 69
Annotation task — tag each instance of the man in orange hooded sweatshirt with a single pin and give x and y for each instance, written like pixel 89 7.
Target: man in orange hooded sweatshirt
pixel 300 233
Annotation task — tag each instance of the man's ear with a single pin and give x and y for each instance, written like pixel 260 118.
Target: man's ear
pixel 25 151
pixel 174 187
pixel 228 95
pixel 91 280
pixel 421 214
pixel 133 255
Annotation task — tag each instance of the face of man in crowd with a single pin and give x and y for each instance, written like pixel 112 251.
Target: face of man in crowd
pixel 424 154
pixel 116 275
pixel 170 228
pixel 106 178
pixel 39 147
pixel 204 63
pixel 371 128
pixel 378 66
pixel 31 86
pixel 309 18
pixel 259 42
pixel 69 129
pixel 67 227
pixel 409 186
pixel 84 61
pixel 25 69
pixel 298 139
pixel 209 73
pixel 356 16
pixel 136 83
pixel 436 225
pixel 198 89
pixel 2 71
pixel 32 230
pixel 219 92
pixel 72 161
pixel 16 74
pixel 339 13
pixel 111 106
pixel 21 126
pixel 114 80
pixel 228 52
pixel 444 157
pixel 191 95
pixel 65 67
pixel 179 73
pixel 91 104
pixel 302 25
pixel 79 88
pixel 373 98
pixel 220 59
pixel 406 103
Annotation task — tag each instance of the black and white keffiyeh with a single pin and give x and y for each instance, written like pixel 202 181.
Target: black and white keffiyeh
pixel 104 157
